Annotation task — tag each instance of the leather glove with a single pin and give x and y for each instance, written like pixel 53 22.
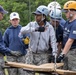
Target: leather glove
pixel 51 59
pixel 60 58
pixel 26 40
pixel 40 29
pixel 15 53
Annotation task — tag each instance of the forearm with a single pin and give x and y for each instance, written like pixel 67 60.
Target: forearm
pixel 26 29
pixel 59 45
pixel 68 46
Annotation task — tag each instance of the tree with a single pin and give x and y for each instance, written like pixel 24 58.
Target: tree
pixel 24 8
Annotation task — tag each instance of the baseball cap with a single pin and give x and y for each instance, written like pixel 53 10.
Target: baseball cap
pixel 14 15
pixel 2 10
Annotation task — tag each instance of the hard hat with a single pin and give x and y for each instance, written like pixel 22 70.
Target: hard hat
pixel 42 10
pixel 53 5
pixel 70 5
pixel 56 14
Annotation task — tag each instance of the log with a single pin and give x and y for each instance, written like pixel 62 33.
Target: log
pixel 44 67
pixel 65 72
pixel 48 67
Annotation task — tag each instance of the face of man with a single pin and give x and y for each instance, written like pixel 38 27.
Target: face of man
pixel 38 17
pixel 69 14
pixel 1 16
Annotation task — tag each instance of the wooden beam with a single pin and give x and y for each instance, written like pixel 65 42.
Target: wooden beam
pixel 48 67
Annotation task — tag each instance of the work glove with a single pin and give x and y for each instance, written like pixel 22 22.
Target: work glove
pixel 51 59
pixel 40 29
pixel 15 53
pixel 26 40
pixel 60 58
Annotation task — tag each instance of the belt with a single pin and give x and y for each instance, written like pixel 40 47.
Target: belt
pixel 16 56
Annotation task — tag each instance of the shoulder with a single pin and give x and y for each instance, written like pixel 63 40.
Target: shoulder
pixel 49 25
pixel 33 23
pixel 74 22
pixel 19 25
pixel 8 29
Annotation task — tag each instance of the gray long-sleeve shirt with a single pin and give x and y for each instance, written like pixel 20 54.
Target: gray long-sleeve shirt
pixel 40 40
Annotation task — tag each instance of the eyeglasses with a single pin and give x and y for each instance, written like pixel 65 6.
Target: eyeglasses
pixel 66 11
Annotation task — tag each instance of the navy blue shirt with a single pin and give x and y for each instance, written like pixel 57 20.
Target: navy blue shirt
pixel 59 34
pixel 12 40
pixel 70 32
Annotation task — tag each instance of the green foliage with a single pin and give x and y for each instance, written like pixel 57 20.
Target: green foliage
pixel 24 8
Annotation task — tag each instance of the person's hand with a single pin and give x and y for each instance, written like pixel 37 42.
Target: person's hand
pixel 26 40
pixel 52 59
pixel 60 58
pixel 40 29
pixel 15 53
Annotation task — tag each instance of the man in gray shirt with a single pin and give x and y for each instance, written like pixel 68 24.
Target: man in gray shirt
pixel 41 34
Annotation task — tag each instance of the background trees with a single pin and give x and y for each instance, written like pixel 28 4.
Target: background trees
pixel 24 8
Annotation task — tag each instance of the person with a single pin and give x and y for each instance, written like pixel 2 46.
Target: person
pixel 55 5
pixel 3 50
pixel 15 43
pixel 69 35
pixel 55 17
pixel 40 33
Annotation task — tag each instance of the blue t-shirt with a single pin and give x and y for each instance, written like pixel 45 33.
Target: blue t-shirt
pixel 70 32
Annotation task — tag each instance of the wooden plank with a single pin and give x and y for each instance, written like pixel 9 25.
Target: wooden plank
pixel 44 67
pixel 20 65
pixel 48 67
pixel 65 72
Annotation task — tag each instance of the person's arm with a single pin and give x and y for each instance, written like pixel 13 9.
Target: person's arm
pixel 53 40
pixel 65 50
pixel 59 45
pixel 67 46
pixel 27 29
pixel 31 27
pixel 6 39
pixel 3 50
